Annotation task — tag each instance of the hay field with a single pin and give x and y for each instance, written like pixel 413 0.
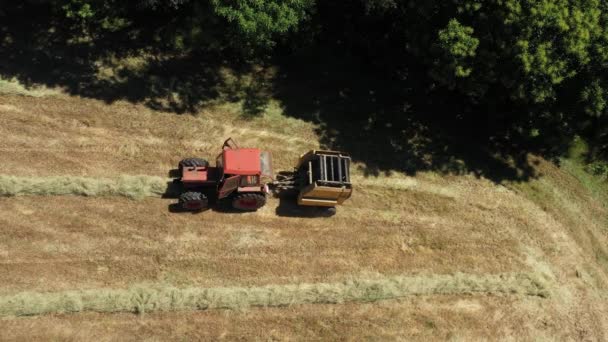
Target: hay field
pixel 135 187
pixel 540 248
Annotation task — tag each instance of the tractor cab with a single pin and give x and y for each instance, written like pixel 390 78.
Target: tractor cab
pixel 242 169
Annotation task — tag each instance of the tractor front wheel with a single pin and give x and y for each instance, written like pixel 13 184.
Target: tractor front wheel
pixel 249 201
pixel 193 201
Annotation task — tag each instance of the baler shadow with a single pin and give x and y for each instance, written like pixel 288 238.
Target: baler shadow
pixel 225 207
pixel 288 207
pixel 175 188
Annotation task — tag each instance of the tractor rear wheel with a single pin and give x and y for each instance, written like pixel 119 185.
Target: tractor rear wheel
pixel 250 201
pixel 193 201
pixel 193 162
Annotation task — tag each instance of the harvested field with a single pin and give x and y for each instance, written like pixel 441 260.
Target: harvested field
pixel 84 228
pixel 417 318
pixel 93 242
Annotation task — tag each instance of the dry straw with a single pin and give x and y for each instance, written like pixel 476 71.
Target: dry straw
pixel 143 298
pixel 128 186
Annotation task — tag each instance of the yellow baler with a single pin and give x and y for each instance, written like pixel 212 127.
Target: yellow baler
pixel 323 178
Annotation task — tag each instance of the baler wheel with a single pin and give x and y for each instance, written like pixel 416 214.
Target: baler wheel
pixel 249 201
pixel 327 211
pixel 193 201
pixel 193 162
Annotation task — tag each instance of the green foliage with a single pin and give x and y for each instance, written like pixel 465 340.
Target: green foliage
pixel 543 61
pixel 113 23
pixel 78 9
pixel 104 14
pixel 157 4
pixel 593 176
pixel 458 44
pixel 598 168
pixel 521 66
pixel 544 44
pixel 554 41
pixel 379 5
pixel 594 97
pixel 259 21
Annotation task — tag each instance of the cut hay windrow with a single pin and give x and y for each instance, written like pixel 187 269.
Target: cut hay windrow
pixel 128 186
pixel 149 298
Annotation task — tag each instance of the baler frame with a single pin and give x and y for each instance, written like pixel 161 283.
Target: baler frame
pixel 321 177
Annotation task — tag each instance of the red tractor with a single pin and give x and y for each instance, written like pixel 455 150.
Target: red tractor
pixel 237 178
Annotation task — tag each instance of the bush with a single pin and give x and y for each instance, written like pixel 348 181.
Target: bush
pixel 598 168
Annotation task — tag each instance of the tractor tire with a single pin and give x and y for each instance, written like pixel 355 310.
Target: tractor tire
pixel 249 201
pixel 189 162
pixel 193 201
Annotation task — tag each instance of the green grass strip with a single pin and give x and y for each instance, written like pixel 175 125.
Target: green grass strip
pixel 151 298
pixel 136 187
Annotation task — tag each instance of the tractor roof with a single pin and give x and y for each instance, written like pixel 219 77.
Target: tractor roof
pixel 242 161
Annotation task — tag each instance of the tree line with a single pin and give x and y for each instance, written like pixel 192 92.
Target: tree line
pixel 531 71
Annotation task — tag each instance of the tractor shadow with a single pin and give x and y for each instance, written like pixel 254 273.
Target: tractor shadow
pixel 214 205
pixel 175 188
pixel 176 208
pixel 288 204
pixel 224 206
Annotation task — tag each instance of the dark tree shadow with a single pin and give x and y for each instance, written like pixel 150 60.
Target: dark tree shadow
pixel 400 123
pixel 394 124
pixel 125 65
